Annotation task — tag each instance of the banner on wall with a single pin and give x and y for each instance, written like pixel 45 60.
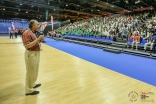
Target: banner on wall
pixel 44 24
pixel 52 24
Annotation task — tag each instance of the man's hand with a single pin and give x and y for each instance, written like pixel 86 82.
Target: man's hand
pixel 40 38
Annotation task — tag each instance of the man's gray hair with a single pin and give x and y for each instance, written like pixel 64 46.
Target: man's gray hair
pixel 31 23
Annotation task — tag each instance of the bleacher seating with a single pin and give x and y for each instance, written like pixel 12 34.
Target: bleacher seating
pixel 112 47
pixel 89 38
pixel 141 45
pixel 110 32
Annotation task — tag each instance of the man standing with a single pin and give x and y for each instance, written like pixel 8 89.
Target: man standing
pixel 16 32
pixel 11 33
pixel 32 55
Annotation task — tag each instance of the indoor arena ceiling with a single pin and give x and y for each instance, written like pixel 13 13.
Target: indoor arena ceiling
pixel 69 9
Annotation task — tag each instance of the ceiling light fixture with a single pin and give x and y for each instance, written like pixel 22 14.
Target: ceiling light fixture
pixel 126 1
pixel 136 2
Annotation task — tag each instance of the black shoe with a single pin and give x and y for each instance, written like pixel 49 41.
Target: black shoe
pixel 33 93
pixel 37 85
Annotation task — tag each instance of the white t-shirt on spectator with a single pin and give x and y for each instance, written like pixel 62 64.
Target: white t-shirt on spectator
pixel 149 26
pixel 134 32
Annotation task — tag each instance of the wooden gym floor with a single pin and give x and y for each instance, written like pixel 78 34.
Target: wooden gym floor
pixel 65 79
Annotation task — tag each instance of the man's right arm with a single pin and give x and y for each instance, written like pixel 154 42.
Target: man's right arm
pixel 31 44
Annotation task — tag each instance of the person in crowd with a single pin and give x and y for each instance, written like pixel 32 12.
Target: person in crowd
pixel 154 44
pixel 136 40
pixel 149 42
pixel 21 32
pixel 130 36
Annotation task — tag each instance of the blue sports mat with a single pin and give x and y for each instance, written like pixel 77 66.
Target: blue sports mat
pixel 140 68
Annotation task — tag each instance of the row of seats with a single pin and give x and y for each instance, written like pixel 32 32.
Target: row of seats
pixel 110 47
pixel 140 44
pixel 107 39
pixel 87 37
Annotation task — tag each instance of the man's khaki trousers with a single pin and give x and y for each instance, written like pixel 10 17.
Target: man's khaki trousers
pixel 32 65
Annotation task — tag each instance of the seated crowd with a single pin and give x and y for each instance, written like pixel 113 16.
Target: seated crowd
pixel 136 27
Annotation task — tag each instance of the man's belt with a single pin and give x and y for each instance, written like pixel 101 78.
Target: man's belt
pixel 33 50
